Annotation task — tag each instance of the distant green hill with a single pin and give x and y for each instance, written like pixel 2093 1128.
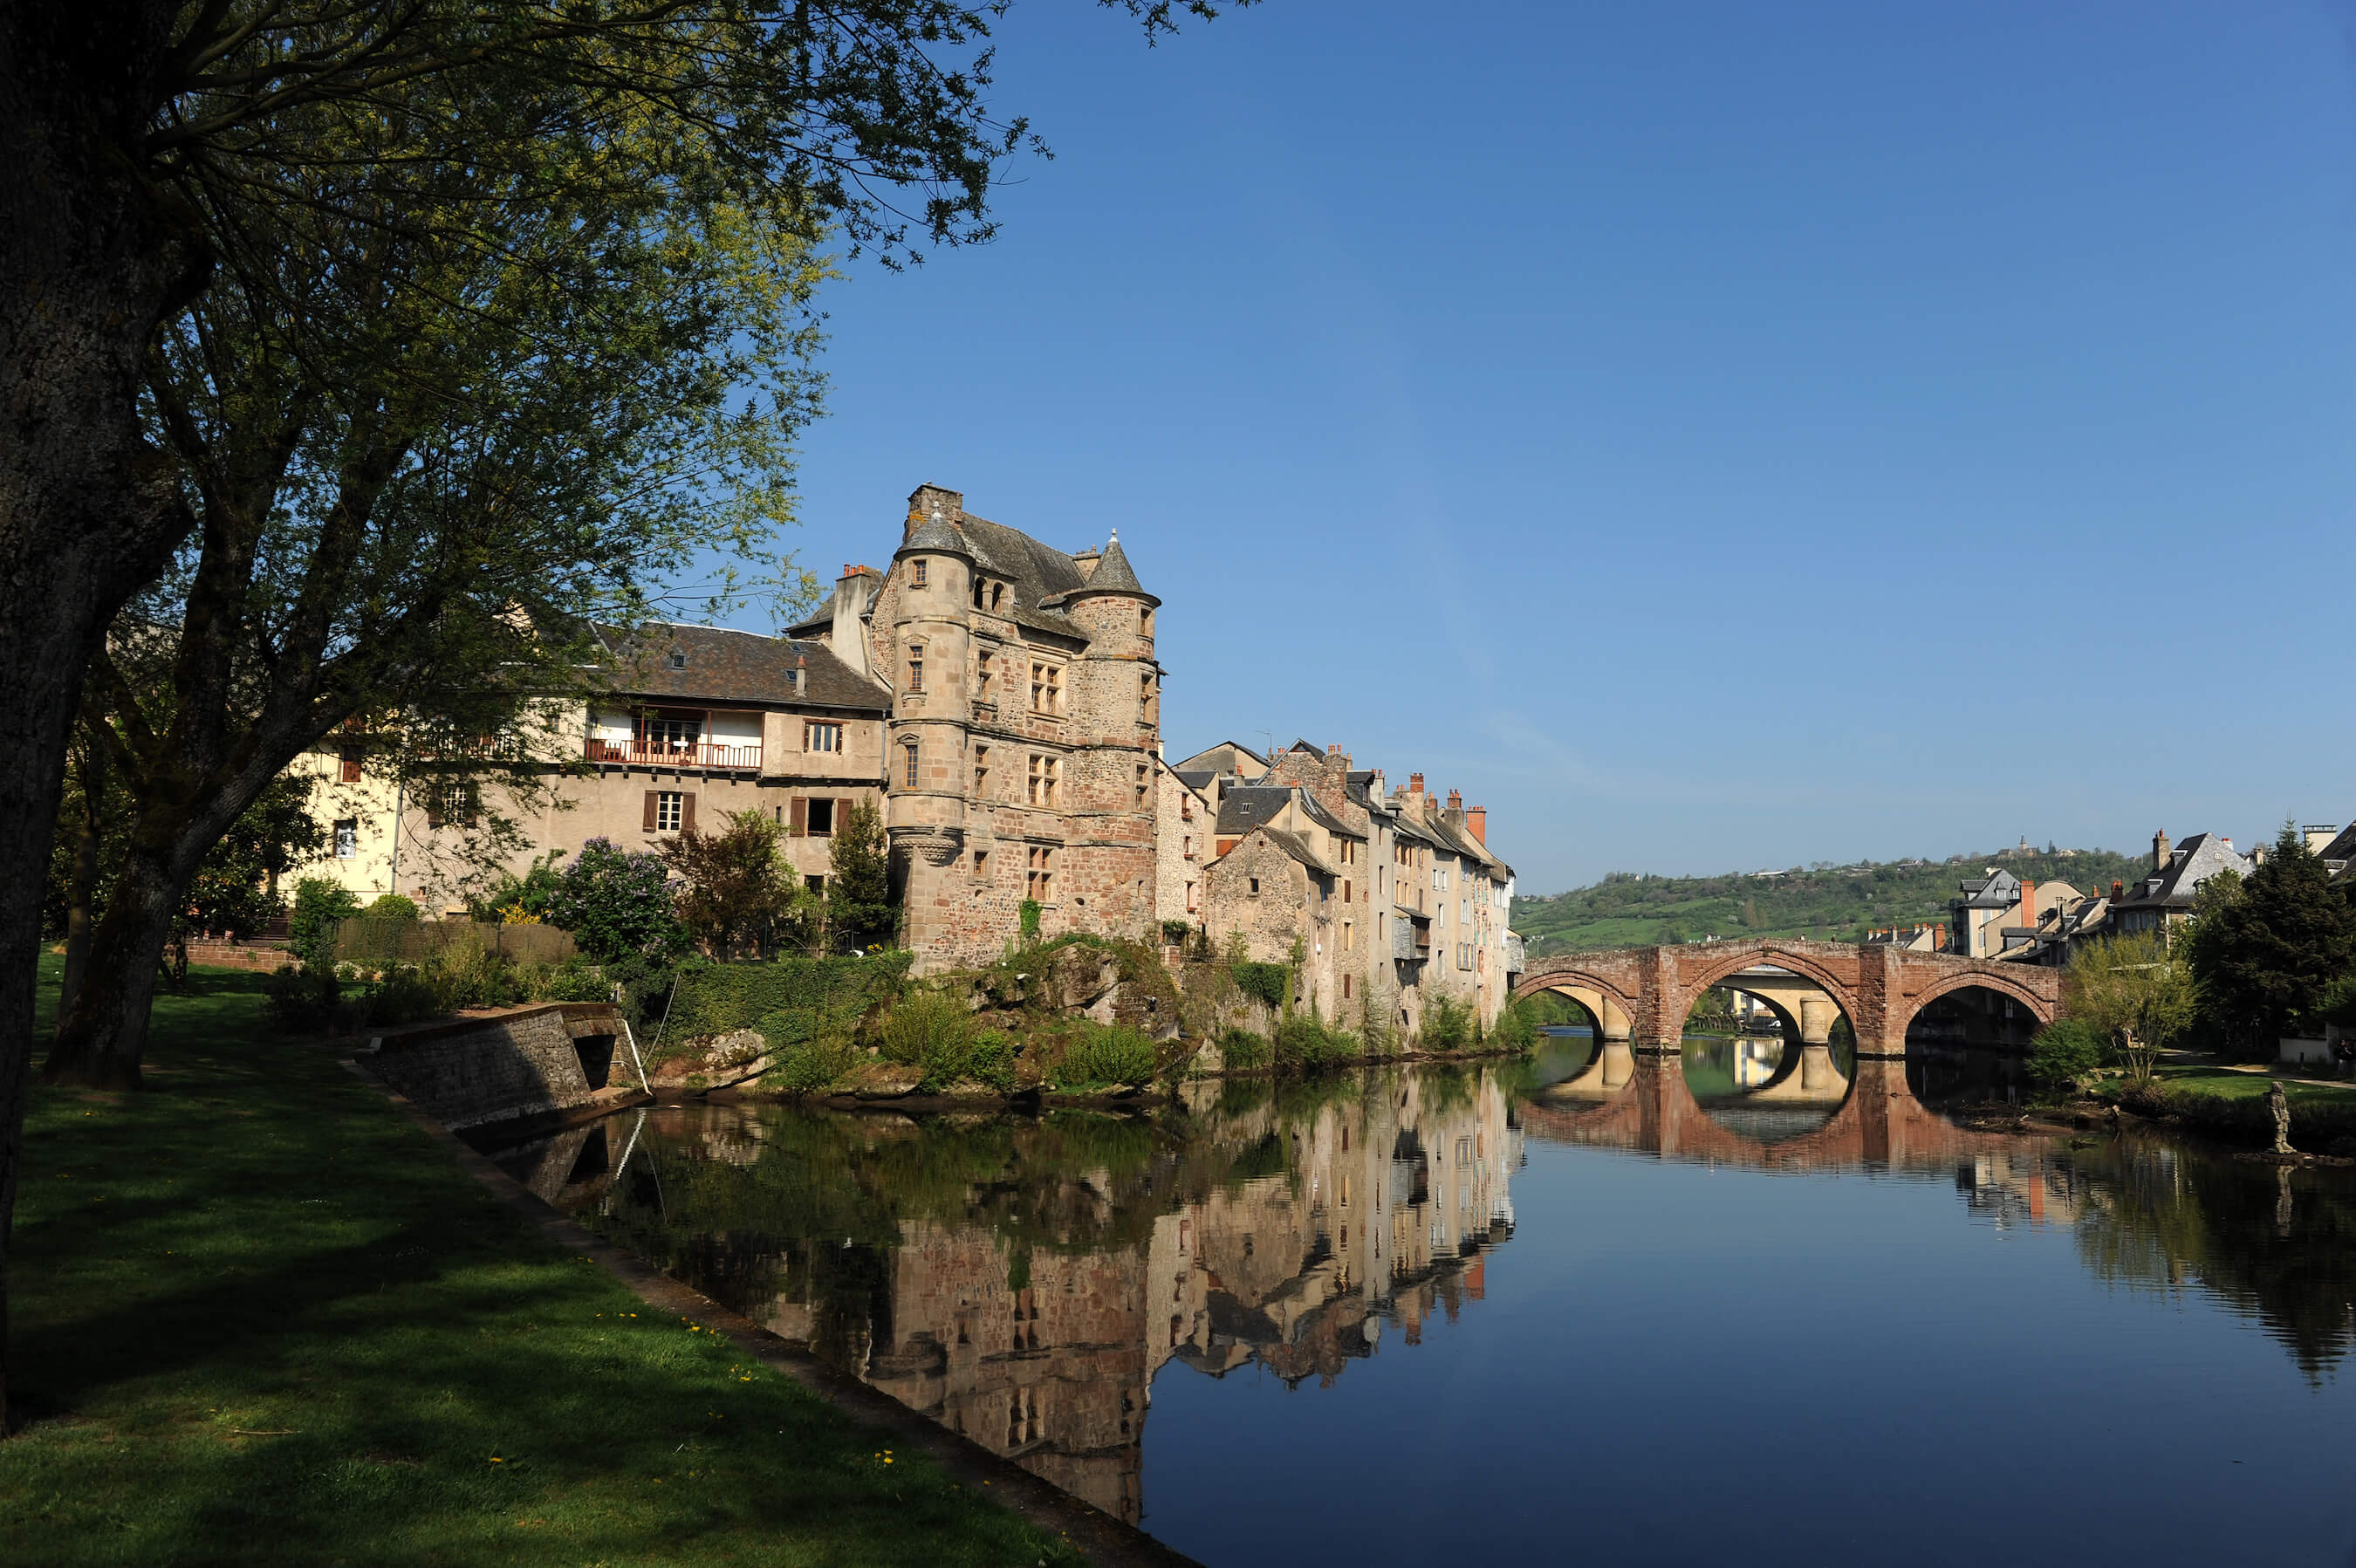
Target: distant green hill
pixel 1839 903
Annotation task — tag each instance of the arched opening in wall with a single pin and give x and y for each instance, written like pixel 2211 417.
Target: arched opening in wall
pixel 1769 1053
pixel 1583 1042
pixel 1970 1046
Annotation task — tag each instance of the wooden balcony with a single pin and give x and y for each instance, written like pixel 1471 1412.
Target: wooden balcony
pixel 677 754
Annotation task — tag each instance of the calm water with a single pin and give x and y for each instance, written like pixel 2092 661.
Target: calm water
pixel 1744 1309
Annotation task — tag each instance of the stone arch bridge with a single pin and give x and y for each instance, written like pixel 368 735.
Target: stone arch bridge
pixel 1642 995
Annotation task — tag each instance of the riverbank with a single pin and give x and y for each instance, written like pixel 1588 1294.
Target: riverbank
pixel 2229 1103
pixel 259 1314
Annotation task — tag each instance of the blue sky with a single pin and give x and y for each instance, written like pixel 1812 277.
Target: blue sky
pixel 1711 436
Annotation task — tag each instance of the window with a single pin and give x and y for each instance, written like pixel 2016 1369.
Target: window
pixel 1045 771
pixel 981 680
pixel 349 765
pixel 1186 806
pixel 667 729
pixel 1040 884
pixel 1047 688
pixel 981 865
pixel 908 764
pixel 1255 887
pixel 669 809
pixel 1193 905
pixel 1186 849
pixel 822 738
pixel 1345 996
pixel 1145 621
pixel 348 838
pixel 1144 785
pixel 821 818
pixel 916 572
pixel 916 667
pixel 815 882
pixel 451 801
pixel 997 595
pixel 678 661
pixel 1346 892
pixel 1349 940
pixel 1145 696
pixel 982 773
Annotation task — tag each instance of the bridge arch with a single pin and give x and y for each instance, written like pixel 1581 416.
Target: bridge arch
pixel 1593 989
pixel 1905 1010
pixel 1758 955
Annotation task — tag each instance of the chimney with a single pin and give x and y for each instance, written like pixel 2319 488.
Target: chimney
pixel 929 501
pixel 1415 783
pixel 2159 850
pixel 2118 890
pixel 1477 819
pixel 2027 902
pixel 2318 837
pixel 1455 800
pixel 1087 561
pixel 1374 792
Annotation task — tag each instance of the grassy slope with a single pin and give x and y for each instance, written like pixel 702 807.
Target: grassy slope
pixel 259 1316
pixel 1631 911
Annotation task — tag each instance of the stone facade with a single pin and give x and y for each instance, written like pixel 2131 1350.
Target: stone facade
pixel 1023 733
pixel 1393 898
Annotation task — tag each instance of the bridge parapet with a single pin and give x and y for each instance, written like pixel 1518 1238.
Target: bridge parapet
pixel 1879 988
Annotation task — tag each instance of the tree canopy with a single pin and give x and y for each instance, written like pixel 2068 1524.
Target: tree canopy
pixel 2266 948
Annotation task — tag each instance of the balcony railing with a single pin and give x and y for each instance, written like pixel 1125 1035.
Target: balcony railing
pixel 676 753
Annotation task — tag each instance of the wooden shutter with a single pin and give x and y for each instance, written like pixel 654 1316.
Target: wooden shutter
pixel 801 816
pixel 433 806
pixel 687 811
pixel 841 812
pixel 650 810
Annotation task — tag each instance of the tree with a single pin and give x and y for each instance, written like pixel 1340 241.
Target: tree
pixel 859 911
pixel 2136 994
pixel 2266 947
pixel 617 905
pixel 737 891
pixel 158 145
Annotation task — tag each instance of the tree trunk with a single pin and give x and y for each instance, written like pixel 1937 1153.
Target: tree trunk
pixel 102 1036
pixel 83 886
pixel 94 260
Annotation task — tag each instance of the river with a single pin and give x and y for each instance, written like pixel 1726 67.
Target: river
pixel 1735 1308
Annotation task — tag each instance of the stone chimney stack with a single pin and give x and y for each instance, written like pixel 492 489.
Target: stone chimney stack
pixel 846 633
pixel 930 502
pixel 2027 902
pixel 1476 818
pixel 2159 851
pixel 2118 890
pixel 1455 800
pixel 1088 561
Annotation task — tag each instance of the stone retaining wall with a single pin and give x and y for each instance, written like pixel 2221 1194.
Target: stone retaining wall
pixel 550 1061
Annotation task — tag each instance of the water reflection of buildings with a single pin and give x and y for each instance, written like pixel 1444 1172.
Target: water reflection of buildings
pixel 1287 1234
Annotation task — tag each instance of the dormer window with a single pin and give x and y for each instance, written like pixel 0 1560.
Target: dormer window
pixel 677 659
pixel 997 595
pixel 916 572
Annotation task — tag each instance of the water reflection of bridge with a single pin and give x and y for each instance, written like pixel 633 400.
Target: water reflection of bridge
pixel 1626 1099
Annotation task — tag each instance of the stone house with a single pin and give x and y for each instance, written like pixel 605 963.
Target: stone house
pixel 695 723
pixel 2163 900
pixel 1393 898
pixel 1023 734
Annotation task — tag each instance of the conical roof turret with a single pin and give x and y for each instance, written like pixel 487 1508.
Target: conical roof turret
pixel 937 536
pixel 1113 576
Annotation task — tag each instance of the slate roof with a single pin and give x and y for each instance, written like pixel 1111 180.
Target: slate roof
pixel 725 666
pixel 1224 745
pixel 1999 890
pixel 935 534
pixel 1195 779
pixel 1114 574
pixel 1038 575
pixel 2194 862
pixel 1246 806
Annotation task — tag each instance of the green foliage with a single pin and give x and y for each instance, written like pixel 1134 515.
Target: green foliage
pixel 2265 949
pixel 859 911
pixel 2134 994
pixel 1626 909
pixel 391 907
pixel 319 904
pixel 789 1000
pixel 1105 1056
pixel 532 895
pixel 618 903
pixel 1240 1051
pixel 233 887
pixel 1175 931
pixel 1448 1025
pixel 1267 983
pixel 1515 1030
pixel 2064 1055
pixel 736 889
pixel 1027 918
pixel 1304 1044
pixel 934 1031
pixel 2336 1005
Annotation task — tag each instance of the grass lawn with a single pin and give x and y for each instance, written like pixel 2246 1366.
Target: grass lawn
pixel 259 1316
pixel 2226 1084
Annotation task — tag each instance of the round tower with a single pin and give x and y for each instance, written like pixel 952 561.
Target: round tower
pixel 925 743
pixel 1116 706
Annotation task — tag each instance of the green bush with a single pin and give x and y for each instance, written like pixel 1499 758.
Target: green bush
pixel 575 980
pixel 1516 1031
pixel 1175 931
pixel 813 1065
pixel 1241 1050
pixel 1448 1025
pixel 2065 1053
pixel 311 924
pixel 1028 915
pixel 618 903
pixel 302 1001
pixel 790 1001
pixel 1263 982
pixel 1303 1043
pixel 391 907
pixel 1103 1055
